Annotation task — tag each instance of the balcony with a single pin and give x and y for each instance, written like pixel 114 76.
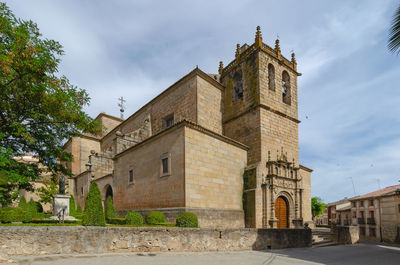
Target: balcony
pixel 371 221
pixel 361 221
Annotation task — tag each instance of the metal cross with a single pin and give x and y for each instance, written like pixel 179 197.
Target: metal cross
pixel 122 107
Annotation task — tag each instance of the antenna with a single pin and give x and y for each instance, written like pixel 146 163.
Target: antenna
pixel 122 106
pixel 354 188
pixel 379 183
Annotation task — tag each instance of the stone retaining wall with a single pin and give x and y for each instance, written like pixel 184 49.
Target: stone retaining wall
pixel 41 240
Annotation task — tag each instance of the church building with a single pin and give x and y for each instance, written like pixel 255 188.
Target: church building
pixel 224 146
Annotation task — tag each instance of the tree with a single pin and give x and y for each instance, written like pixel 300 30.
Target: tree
pixel 48 190
pixel 72 206
pixel 93 213
pixel 394 34
pixel 317 206
pixel 110 212
pixel 39 109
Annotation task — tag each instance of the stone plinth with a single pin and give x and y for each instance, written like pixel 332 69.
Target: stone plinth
pixel 61 208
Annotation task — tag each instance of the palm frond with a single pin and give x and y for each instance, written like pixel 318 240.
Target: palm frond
pixel 394 34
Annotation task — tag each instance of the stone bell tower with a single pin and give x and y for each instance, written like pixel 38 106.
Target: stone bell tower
pixel 261 111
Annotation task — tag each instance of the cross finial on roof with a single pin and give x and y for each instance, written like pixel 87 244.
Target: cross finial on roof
pixel 122 106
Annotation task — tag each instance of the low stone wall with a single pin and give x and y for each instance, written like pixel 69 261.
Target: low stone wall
pixel 42 240
pixel 346 234
pixel 208 218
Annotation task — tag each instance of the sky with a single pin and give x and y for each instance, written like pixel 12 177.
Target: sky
pixel 348 92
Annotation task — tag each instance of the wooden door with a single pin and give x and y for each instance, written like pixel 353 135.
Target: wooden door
pixel 281 212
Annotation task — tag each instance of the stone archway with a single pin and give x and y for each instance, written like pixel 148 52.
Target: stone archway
pixel 108 193
pixel 282 212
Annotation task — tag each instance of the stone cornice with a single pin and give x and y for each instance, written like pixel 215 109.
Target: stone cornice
pixel 185 123
pixel 306 168
pixel 263 107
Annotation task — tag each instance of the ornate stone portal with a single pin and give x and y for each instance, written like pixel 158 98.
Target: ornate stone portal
pixel 282 181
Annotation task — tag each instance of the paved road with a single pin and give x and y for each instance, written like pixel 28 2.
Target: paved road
pixel 363 253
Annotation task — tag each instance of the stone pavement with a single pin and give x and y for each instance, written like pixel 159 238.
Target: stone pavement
pixel 363 253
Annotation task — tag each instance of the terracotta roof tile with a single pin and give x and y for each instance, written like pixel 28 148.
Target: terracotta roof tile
pixel 378 193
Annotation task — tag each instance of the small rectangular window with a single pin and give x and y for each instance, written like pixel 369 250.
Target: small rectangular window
pixel 354 204
pixel 131 176
pixel 371 202
pixel 81 191
pixel 165 165
pixel 168 121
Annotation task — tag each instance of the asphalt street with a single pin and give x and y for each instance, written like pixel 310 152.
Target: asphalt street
pixel 363 253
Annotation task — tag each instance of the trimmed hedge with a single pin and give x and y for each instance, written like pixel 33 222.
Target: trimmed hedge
pixel 187 219
pixel 155 217
pixel 116 221
pixel 39 221
pixel 110 212
pixel 9 215
pixel 94 214
pixel 79 209
pixel 72 206
pixel 134 218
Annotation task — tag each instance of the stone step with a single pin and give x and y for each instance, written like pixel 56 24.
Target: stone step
pixel 325 243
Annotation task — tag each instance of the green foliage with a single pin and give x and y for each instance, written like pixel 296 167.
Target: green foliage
pixel 117 221
pixel 39 207
pixel 32 208
pixel 155 217
pixel 79 209
pixel 94 214
pixel 134 218
pixel 394 34
pixel 187 219
pixel 16 214
pixel 317 206
pixel 48 190
pixel 22 203
pixel 72 206
pixel 39 110
pixel 110 212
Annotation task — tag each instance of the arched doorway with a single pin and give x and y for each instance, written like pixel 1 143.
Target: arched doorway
pixel 282 212
pixel 109 194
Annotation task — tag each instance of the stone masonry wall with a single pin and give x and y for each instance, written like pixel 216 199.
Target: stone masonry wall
pixel 179 101
pixel 273 98
pixel 390 219
pixel 151 189
pixel 31 240
pixel 209 104
pixel 213 172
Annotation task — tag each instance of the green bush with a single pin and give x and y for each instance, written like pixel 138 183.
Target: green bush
pixel 22 203
pixel 32 208
pixel 116 221
pixel 93 213
pixel 15 215
pixel 36 221
pixel 39 207
pixel 155 217
pixel 79 209
pixel 72 206
pixel 110 212
pixel 134 218
pixel 187 219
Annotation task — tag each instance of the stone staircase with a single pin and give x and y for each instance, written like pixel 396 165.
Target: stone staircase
pixel 322 237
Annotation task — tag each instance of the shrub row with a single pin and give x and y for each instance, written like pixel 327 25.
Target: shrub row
pixel 185 219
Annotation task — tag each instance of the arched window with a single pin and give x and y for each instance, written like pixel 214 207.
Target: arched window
pixel 238 85
pixel 286 88
pixel 271 77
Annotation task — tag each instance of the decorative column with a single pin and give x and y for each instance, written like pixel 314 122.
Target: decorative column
pixel 273 221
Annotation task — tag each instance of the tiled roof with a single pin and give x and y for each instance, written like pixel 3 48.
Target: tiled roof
pixel 378 193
